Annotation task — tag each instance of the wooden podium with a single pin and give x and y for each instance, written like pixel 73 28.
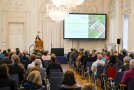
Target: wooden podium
pixel 39 45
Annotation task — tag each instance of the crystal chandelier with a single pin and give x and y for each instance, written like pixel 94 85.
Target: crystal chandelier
pixel 59 9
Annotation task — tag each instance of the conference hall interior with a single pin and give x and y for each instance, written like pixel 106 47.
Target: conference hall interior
pixel 66 45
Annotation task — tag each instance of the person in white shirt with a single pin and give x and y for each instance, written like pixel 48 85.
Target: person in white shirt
pixel 98 61
pixel 31 65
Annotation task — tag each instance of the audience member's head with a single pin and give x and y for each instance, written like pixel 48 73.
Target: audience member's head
pixel 126 59
pixel 35 78
pixel 37 62
pixel 88 87
pixel 132 64
pixel 30 70
pixel 99 57
pixel 4 51
pixel 15 59
pixel 69 78
pixel 131 55
pixel 32 57
pixel 9 50
pixel 53 58
pixel 4 71
pixel 45 53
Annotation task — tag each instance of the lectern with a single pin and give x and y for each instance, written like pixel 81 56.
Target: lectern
pixel 39 45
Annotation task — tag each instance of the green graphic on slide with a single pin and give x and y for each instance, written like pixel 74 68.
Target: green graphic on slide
pixel 96 26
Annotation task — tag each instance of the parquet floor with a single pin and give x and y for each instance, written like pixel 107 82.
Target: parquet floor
pixel 80 80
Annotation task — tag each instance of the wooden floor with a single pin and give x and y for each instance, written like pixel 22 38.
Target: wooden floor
pixel 79 78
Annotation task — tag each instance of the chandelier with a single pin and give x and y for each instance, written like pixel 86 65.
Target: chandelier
pixel 59 9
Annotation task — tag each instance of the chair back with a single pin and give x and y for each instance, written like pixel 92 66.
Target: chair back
pixel 118 78
pixel 63 88
pixel 55 83
pixel 15 77
pixel 5 88
pixel 53 71
pixel 111 73
pixel 89 64
pixel 57 74
pixel 131 84
pixel 100 70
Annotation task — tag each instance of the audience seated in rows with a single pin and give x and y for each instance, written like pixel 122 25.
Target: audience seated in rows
pixel 4 78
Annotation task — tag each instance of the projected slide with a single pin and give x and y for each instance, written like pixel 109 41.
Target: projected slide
pixel 96 26
pixel 85 26
pixel 77 26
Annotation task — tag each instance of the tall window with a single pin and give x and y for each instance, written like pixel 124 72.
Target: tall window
pixel 125 32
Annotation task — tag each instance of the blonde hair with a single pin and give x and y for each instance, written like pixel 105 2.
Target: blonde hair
pixel 35 77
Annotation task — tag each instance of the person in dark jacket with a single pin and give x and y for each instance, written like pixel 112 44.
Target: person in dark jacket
pixel 4 79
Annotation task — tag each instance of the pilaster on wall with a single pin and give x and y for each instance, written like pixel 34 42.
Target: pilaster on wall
pixel 13 11
pixel 0 22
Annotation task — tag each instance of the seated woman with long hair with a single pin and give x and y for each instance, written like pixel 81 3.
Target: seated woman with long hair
pixel 34 81
pixel 4 79
pixel 69 81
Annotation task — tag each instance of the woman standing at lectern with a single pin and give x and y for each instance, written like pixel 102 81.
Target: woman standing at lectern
pixel 37 38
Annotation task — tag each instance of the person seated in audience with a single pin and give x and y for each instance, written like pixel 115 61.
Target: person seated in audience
pixel 99 61
pixel 17 51
pixel 45 56
pixel 17 67
pixel 2 55
pixel 69 81
pixel 6 60
pixel 88 87
pixel 32 64
pixel 4 79
pixel 126 60
pixel 131 55
pixel 27 73
pixel 34 81
pixel 53 65
pixel 128 74
pixel 41 70
pixel 112 61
